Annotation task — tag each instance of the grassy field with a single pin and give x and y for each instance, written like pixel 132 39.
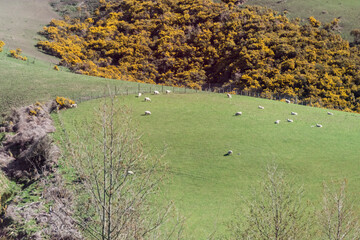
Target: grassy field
pixel 325 11
pixel 198 129
pixel 23 83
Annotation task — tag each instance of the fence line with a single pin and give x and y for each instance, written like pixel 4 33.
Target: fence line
pixel 311 101
pixel 132 90
pixel 208 88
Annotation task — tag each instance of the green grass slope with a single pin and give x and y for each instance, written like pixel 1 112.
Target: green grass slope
pixel 23 83
pixel 325 11
pixel 198 129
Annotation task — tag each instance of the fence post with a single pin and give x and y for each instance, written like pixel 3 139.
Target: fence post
pixel 150 89
pixel 138 87
pixel 127 91
pixel 162 88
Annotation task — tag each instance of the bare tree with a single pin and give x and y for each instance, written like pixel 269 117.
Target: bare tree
pixel 275 211
pixel 118 178
pixel 337 218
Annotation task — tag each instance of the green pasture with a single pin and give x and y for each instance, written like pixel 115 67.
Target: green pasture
pixel 196 130
pixel 25 82
pixel 325 11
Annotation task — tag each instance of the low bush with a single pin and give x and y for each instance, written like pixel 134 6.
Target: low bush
pixel 16 54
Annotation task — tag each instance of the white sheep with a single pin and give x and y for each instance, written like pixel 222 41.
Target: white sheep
pixel 290 120
pixel 228 95
pixel 147 99
pixel 147 113
pixel 293 113
pixel 229 152
pixel 130 172
pixel 156 92
pixel 261 107
pixel 73 105
pixel 318 125
pixel 139 94
pixel 277 122
pixel 287 101
pixel 168 91
pixel 238 113
pixel 330 113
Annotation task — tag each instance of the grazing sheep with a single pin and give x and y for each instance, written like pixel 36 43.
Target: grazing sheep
pixel 330 113
pixel 130 172
pixel 277 122
pixel 156 92
pixel 290 120
pixel 73 105
pixel 261 107
pixel 287 101
pixel 228 153
pixel 139 94
pixel 147 113
pixel 293 113
pixel 318 125
pixel 228 95
pixel 147 99
pixel 238 113
pixel 168 91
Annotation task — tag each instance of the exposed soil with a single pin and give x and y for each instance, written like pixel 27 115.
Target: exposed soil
pixel 21 20
pixel 28 155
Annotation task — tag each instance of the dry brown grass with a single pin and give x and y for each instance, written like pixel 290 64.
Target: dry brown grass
pixel 20 21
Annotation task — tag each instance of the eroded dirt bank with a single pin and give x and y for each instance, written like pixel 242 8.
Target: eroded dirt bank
pixel 29 156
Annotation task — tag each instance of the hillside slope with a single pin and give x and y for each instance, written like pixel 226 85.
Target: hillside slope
pixel 24 83
pixel 198 129
pixel 346 10
pixel 194 43
pixel 20 22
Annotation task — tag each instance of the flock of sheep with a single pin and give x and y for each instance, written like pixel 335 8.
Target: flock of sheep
pixel 147 99
pixel 278 121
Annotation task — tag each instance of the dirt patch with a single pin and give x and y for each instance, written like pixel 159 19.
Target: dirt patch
pixel 21 20
pixel 28 155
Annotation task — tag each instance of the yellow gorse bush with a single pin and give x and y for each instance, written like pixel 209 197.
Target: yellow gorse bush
pixel 1 45
pixel 64 102
pixel 16 54
pixel 194 43
pixel 32 112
